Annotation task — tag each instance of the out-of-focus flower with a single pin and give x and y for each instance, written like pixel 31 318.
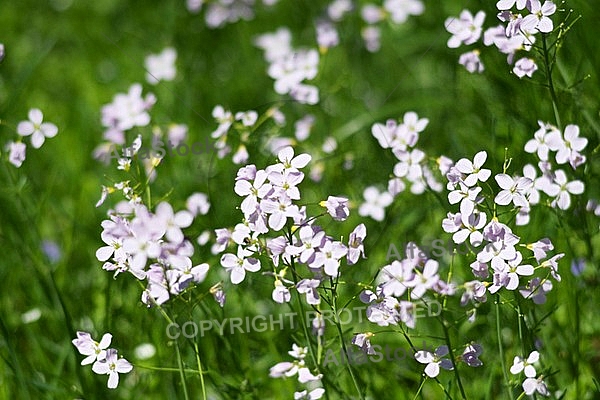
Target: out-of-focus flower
pixel 37 129
pixel 161 66
pixel 16 154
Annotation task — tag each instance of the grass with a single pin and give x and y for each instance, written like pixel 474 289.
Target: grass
pixel 71 57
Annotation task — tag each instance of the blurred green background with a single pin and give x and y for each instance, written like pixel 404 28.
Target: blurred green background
pixel 70 57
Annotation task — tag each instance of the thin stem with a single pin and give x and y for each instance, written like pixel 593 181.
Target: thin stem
pixel 167 369
pixel 501 347
pixel 200 373
pixel 451 352
pixel 341 336
pixel 420 388
pixel 181 371
pixel 550 83
pixel 302 317
pixel 519 315
pixel 577 344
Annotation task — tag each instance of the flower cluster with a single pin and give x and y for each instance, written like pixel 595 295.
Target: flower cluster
pixel 278 237
pixel 290 67
pixel 412 167
pixel 298 367
pixel 34 127
pixel 126 111
pixel 493 243
pixel 152 247
pixel 554 183
pixel 517 34
pixel 222 12
pixel 414 277
pixel 268 206
pixel 243 123
pixel 106 361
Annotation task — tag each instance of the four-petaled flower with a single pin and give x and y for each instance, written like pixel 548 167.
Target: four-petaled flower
pixel 375 204
pixel 520 364
pixel 473 169
pixel 337 207
pixel 112 366
pixel 161 66
pixel 538 19
pixel 238 264
pixel 90 348
pixel 513 190
pixel 531 385
pixel 37 129
pixel 434 360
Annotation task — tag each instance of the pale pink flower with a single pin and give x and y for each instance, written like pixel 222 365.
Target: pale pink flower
pixel 466 29
pixel 161 67
pixel 538 19
pixel 525 66
pixel 473 169
pixel 375 203
pixel 37 129
pixel 16 154
pixel 90 348
pixel 513 190
pixel 526 365
pixel 112 366
pixel 434 360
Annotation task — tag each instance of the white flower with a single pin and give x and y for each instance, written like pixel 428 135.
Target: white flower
pixel 161 67
pixel 525 66
pixel 90 348
pixel 471 61
pixel 561 190
pixel 238 265
pixel 38 130
pixel 531 385
pixel 473 169
pixel 276 45
pixel 400 10
pixel 375 203
pixel 466 29
pixel 112 366
pixel 434 361
pixel 16 153
pixel 312 395
pixel 514 190
pixel 198 203
pixel 538 19
pixel 520 364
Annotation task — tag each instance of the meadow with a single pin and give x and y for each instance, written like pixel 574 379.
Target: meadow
pixel 250 199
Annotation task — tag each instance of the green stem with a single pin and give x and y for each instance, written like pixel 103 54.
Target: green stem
pixel 451 352
pixel 167 369
pixel 343 343
pixel 181 371
pixel 577 344
pixel 200 373
pixel 345 349
pixel 302 317
pixel 501 347
pixel 550 83
pixel 519 317
pixel 420 388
